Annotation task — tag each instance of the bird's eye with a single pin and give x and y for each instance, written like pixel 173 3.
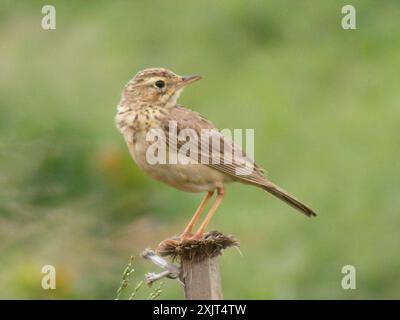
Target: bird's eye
pixel 160 84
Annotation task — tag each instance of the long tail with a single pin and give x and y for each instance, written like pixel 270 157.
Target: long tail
pixel 288 198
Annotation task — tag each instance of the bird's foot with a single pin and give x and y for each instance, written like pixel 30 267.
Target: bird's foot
pixel 186 236
pixel 197 236
pixel 183 237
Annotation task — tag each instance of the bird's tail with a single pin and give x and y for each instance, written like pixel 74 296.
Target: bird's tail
pixel 288 198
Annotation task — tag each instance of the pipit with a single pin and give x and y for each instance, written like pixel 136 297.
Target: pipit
pixel 149 102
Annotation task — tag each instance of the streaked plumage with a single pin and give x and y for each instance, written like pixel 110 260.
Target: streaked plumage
pixel 145 106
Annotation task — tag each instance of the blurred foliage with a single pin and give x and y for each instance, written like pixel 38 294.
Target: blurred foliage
pixel 324 103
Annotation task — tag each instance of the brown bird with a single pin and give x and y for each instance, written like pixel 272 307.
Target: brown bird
pixel 149 102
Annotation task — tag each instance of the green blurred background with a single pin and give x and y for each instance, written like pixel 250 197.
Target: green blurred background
pixel 324 103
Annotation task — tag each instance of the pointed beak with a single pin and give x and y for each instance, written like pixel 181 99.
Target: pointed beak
pixel 185 80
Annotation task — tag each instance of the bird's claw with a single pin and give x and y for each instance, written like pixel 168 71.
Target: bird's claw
pixel 186 236
pixel 177 240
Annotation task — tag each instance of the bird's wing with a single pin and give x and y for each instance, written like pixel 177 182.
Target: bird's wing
pixel 215 151
pixel 224 156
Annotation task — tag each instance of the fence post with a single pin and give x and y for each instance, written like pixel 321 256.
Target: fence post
pixel 200 272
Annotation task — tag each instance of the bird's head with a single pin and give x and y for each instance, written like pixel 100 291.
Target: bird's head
pixel 157 86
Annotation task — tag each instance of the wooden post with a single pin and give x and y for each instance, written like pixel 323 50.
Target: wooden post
pixel 202 279
pixel 200 273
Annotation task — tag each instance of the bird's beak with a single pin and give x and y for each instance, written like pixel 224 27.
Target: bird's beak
pixel 185 80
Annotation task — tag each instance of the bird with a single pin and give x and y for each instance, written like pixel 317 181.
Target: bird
pixel 149 102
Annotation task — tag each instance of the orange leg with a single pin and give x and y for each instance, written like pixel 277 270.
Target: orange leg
pixel 200 232
pixel 187 233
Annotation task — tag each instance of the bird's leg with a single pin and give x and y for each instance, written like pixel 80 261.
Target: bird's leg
pixel 187 233
pixel 200 232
